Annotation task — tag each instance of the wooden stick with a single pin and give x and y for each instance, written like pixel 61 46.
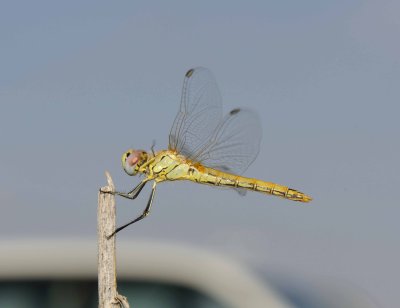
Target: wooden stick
pixel 107 277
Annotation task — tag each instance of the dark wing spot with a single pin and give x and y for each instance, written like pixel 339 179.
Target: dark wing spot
pixel 234 111
pixel 189 73
pixel 127 154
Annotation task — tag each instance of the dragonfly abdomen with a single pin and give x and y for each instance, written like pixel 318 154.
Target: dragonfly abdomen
pixel 281 191
pixel 219 178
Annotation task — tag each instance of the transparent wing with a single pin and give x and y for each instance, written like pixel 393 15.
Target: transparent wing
pixel 235 143
pixel 199 114
pixel 230 144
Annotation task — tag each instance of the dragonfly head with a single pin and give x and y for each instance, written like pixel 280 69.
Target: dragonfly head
pixel 132 160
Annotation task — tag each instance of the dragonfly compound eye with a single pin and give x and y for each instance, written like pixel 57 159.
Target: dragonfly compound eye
pixel 129 160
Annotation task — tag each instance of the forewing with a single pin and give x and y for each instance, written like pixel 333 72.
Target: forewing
pixel 235 143
pixel 199 114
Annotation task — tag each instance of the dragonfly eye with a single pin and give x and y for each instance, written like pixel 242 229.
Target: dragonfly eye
pixel 133 159
pixel 129 160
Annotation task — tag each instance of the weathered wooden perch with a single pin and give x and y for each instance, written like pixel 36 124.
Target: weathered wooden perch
pixel 108 295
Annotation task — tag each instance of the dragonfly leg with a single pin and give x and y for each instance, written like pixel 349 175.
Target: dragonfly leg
pixel 134 192
pixel 131 194
pixel 145 213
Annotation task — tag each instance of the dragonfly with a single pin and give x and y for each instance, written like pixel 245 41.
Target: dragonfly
pixel 204 147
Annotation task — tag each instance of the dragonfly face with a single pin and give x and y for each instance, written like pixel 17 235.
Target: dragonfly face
pixel 132 160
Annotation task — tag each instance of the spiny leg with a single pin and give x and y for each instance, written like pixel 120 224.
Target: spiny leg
pixel 134 192
pixel 145 213
pixel 131 194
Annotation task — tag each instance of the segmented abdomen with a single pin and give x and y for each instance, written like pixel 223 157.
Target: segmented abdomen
pixel 214 177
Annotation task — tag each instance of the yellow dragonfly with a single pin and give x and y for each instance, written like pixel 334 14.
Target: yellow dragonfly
pixel 204 147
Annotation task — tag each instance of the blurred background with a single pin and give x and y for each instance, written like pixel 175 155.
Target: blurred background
pixel 82 82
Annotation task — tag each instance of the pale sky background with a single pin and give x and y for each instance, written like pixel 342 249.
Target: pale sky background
pixel 82 82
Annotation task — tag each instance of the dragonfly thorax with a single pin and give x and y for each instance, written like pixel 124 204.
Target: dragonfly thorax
pixel 132 160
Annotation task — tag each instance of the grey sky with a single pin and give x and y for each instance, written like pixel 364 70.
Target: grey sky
pixel 82 82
